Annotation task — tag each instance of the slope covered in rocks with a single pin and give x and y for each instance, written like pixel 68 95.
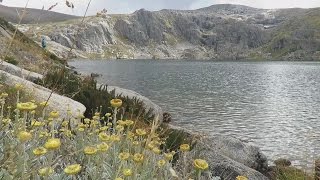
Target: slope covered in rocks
pixel 217 32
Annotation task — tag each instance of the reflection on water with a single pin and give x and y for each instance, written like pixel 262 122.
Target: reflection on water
pixel 274 105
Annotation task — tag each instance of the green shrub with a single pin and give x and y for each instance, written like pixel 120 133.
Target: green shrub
pixel 11 60
pixel 85 91
pixel 53 57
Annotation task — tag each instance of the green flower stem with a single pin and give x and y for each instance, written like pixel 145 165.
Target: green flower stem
pixel 114 119
pixel 52 128
pixel 25 117
pixel 18 96
pixel 184 164
pixel 198 174
pixel 119 169
pixel 1 118
pixel 24 159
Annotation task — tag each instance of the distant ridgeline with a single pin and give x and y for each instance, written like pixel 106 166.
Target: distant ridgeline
pixel 219 32
pixel 32 15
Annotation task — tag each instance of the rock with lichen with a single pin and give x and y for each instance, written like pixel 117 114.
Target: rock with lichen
pixel 56 102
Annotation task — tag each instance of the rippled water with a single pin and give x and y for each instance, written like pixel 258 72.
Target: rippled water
pixel 274 105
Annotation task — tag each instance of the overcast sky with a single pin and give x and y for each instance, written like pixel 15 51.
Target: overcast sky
pixel 128 6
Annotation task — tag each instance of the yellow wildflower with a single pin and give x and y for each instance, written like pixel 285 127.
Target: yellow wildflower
pixel 90 150
pixel 200 164
pixel 109 124
pixel 104 136
pixel 121 122
pixel 4 95
pixel 6 121
pixel 18 86
pixel 65 123
pixel 150 146
pixel 36 123
pixel 47 171
pixel 118 178
pixel 119 128
pixel 156 150
pixel 115 137
pixel 44 104
pixel 124 156
pixel 130 135
pixel 44 134
pixel 104 128
pixel 116 103
pixel 96 118
pixel 68 133
pixel 241 178
pixel 161 162
pixel 28 106
pixel 52 144
pixel 86 120
pixel 24 136
pixel 141 132
pixel 168 156
pixel 108 114
pixel 73 169
pixel 184 147
pixel 138 158
pixel 54 114
pixel 129 122
pixel 103 147
pixel 81 125
pixel 135 143
pixel 127 172
pixel 39 151
pixel 95 122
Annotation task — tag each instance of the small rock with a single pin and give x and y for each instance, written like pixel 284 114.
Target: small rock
pixel 282 162
pixel 166 117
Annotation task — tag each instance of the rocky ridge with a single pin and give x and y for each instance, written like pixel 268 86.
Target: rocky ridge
pixel 217 32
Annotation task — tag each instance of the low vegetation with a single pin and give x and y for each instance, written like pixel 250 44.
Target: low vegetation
pixel 86 91
pixel 23 50
pixel 106 146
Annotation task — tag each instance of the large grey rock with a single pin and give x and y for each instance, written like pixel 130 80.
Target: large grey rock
pixel 148 104
pixel 40 94
pixel 228 157
pixel 20 72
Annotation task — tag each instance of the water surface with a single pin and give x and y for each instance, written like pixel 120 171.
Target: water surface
pixel 273 105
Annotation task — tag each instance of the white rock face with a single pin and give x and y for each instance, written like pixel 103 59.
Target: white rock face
pixel 56 101
pixel 17 71
pixel 148 104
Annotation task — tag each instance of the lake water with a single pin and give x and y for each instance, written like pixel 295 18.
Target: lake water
pixel 273 105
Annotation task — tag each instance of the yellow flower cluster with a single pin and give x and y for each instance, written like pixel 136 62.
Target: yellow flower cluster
pixel 241 178
pixel 28 106
pixel 123 148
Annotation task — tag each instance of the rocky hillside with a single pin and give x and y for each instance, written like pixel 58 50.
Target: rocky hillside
pixel 217 32
pixel 24 52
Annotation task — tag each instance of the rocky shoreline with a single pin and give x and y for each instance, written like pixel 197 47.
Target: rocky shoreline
pixel 228 157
